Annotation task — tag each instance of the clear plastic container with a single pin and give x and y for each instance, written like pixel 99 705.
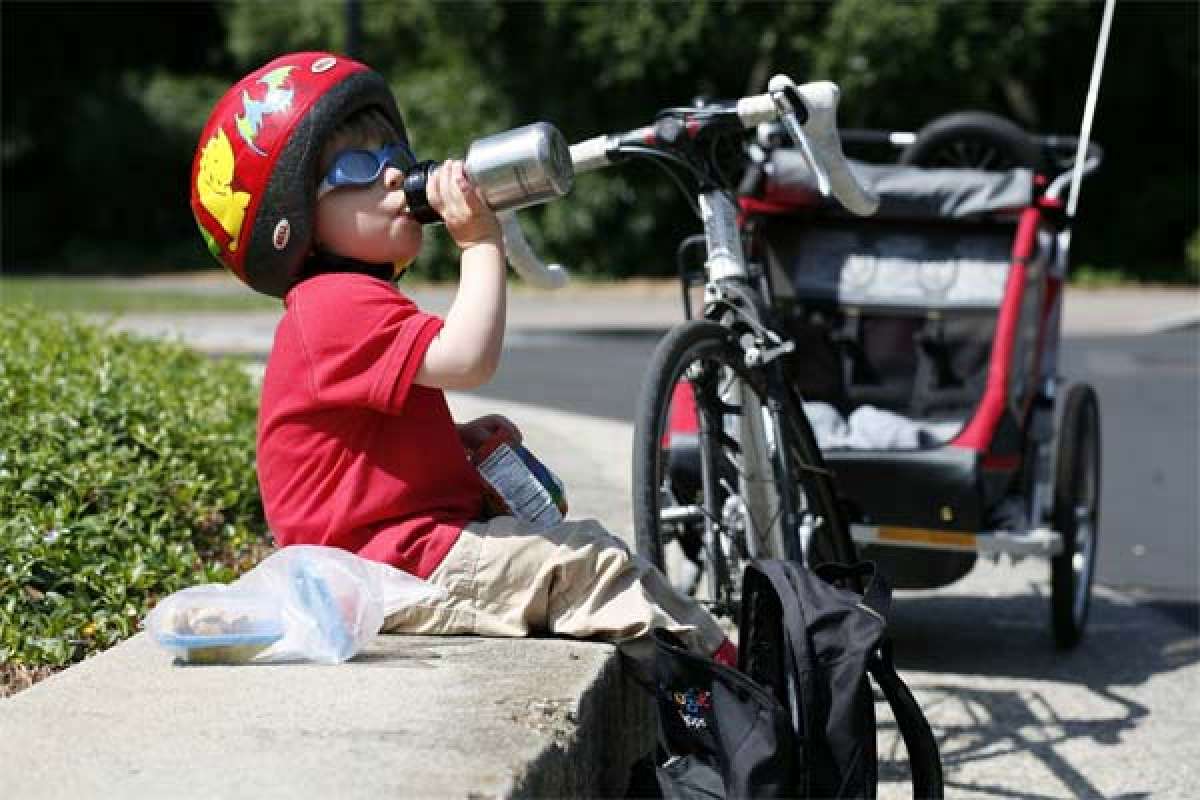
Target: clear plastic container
pixel 213 625
pixel 301 603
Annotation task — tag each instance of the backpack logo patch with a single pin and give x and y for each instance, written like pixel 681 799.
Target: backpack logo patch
pixel 693 705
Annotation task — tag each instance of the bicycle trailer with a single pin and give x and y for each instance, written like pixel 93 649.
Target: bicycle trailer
pixel 927 340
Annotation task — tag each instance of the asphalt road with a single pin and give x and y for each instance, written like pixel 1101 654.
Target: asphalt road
pixel 1148 389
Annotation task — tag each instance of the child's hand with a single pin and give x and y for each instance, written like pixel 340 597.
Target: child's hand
pixel 461 204
pixel 477 432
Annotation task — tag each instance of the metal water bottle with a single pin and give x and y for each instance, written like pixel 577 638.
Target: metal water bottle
pixel 515 169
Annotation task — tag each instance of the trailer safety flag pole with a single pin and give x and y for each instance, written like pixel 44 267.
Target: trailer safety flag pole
pixel 1089 109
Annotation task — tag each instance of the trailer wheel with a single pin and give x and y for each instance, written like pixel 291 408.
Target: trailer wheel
pixel 972 140
pixel 1076 515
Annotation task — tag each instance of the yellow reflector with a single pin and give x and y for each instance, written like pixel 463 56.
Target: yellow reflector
pixel 927 536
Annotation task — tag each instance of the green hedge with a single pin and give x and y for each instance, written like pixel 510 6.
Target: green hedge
pixel 126 472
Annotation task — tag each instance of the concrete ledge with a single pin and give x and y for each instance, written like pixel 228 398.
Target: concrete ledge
pixel 411 716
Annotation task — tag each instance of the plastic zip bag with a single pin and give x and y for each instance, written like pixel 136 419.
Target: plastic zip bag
pixel 301 603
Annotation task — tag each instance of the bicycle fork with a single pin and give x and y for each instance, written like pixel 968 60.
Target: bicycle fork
pixel 766 487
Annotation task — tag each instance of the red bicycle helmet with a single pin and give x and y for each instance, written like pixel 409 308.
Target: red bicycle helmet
pixel 254 176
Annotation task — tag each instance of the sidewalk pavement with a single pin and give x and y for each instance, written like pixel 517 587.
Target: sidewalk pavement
pixel 643 306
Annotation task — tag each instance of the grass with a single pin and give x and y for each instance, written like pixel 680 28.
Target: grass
pixel 119 295
pixel 1089 276
pixel 217 292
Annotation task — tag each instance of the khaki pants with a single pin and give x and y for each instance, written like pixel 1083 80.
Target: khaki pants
pixel 575 579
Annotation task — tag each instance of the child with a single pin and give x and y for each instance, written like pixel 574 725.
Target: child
pixel 297 187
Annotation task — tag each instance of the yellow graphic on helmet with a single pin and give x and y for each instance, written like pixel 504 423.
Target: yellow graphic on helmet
pixel 214 184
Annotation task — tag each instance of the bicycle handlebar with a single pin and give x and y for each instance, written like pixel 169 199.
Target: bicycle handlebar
pixel 808 112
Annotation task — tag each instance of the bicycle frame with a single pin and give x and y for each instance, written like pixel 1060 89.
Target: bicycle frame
pixel 767 489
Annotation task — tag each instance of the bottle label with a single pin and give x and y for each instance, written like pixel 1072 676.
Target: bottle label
pixel 522 486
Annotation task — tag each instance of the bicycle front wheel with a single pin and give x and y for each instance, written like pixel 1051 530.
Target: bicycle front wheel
pixel 718 477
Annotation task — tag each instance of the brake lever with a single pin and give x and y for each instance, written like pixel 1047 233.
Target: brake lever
pixel 793 114
pixel 821 146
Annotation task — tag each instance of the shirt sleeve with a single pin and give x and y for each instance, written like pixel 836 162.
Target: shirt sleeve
pixel 364 341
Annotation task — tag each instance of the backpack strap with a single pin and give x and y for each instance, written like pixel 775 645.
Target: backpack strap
pixel 776 573
pixel 877 595
pixel 919 741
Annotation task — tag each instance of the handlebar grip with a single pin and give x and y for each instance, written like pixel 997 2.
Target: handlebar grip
pixel 821 100
pixel 591 154
pixel 757 109
pixel 522 258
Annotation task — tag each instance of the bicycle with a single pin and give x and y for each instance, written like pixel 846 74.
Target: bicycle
pixel 758 487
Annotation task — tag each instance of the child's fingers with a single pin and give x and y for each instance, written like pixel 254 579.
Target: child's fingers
pixel 452 177
pixel 435 190
pixel 463 209
pixel 515 432
pixel 472 194
pixel 463 187
pixel 498 423
pixel 505 424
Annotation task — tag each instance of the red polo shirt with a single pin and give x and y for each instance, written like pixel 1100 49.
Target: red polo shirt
pixel 351 452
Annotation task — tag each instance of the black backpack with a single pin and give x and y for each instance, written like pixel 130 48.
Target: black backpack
pixel 798 718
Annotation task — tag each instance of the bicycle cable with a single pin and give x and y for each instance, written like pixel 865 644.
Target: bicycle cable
pixel 723 178
pixel 657 157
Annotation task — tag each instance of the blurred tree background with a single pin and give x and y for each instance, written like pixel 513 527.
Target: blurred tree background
pixel 102 104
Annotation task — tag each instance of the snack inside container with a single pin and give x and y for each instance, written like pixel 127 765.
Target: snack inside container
pixel 216 625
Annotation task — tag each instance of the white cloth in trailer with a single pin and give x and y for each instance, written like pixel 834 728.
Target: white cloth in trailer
pixel 871 428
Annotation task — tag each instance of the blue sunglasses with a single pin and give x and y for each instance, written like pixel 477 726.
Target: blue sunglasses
pixel 363 167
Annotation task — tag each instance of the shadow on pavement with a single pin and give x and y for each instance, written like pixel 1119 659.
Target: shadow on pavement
pixel 1004 702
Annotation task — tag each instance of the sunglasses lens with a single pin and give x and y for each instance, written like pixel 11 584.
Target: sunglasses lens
pixel 356 166
pixel 401 157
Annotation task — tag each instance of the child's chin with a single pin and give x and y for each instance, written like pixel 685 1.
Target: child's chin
pixel 407 248
pixel 406 232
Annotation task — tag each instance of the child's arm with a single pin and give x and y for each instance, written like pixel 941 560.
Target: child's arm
pixel 466 352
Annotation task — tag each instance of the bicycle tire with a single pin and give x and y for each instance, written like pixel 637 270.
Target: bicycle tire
pixel 972 140
pixel 1076 515
pixel 712 346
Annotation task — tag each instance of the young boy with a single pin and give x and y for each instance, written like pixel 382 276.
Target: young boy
pixel 298 188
